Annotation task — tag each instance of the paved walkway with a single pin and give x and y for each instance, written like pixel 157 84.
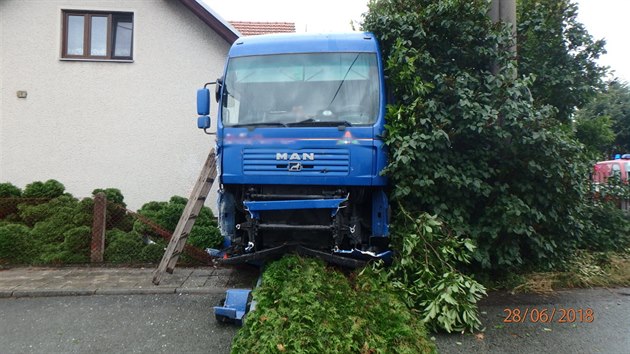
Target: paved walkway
pixel 73 281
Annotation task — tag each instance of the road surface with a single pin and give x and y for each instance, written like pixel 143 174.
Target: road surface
pixel 113 324
pixel 570 331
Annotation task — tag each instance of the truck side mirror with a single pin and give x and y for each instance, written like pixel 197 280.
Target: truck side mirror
pixel 203 108
pixel 203 102
pixel 203 122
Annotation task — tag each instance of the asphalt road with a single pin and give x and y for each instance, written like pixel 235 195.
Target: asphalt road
pixel 113 324
pixel 185 324
pixel 609 331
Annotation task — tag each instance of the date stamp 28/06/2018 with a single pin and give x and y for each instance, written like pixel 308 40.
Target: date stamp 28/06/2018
pixel 548 315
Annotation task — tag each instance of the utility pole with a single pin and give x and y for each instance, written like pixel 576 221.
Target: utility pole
pixel 504 11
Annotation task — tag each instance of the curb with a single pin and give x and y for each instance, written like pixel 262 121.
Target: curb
pixel 51 292
pixel 112 291
pixel 200 291
pixel 135 291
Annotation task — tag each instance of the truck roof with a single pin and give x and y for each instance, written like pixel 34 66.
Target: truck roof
pixel 304 43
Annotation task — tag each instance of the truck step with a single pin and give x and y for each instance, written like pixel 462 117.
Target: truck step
pixel 187 220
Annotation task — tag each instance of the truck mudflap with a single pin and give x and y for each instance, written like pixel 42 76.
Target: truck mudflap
pixel 344 258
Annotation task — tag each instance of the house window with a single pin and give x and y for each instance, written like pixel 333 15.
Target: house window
pixel 97 35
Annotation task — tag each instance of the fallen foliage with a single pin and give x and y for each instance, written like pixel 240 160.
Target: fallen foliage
pixel 303 306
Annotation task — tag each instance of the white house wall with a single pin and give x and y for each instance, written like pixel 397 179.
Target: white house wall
pixel 92 125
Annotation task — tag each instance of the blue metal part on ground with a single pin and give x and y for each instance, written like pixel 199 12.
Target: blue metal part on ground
pixel 235 306
pixel 254 207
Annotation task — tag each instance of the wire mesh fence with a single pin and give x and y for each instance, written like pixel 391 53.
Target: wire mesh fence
pixel 131 236
pixel 66 230
pixel 9 207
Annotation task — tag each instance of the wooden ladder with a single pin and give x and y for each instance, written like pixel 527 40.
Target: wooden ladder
pixel 187 220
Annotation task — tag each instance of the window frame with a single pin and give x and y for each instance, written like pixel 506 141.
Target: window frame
pixel 87 35
pixel 615 171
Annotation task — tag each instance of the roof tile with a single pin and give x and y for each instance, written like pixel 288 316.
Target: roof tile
pixel 255 28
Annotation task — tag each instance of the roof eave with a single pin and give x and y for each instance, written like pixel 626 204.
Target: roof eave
pixel 213 20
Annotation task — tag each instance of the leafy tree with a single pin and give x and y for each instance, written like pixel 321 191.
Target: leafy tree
pixel 610 109
pixel 558 50
pixel 595 133
pixel 471 146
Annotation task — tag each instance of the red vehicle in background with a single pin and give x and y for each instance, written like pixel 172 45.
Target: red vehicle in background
pixel 620 167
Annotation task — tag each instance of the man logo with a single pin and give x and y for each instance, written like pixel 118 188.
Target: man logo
pixel 295 156
pixel 295 167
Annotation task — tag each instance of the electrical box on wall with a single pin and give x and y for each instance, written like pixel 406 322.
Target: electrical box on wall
pixel 21 94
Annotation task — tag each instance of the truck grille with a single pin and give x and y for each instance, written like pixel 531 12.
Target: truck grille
pixel 325 162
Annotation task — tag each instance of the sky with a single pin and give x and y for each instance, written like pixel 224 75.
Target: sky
pixel 605 19
pixel 608 19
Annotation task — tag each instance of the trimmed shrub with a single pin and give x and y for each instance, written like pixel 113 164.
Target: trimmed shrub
pixel 14 244
pixel 123 247
pixel 117 216
pixel 205 237
pixel 8 190
pixel 76 245
pixel 204 234
pixel 49 189
pixel 152 253
pixel 9 196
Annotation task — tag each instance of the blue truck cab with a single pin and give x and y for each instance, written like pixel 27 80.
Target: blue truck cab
pixel 299 144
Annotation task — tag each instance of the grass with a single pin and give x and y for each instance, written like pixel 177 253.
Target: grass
pixel 304 306
pixel 587 269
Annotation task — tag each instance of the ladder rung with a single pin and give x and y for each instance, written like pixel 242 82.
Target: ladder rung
pixel 191 212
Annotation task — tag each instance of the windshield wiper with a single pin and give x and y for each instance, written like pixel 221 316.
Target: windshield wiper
pixel 344 79
pixel 259 124
pixel 321 123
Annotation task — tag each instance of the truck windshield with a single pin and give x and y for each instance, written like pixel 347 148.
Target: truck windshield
pixel 315 89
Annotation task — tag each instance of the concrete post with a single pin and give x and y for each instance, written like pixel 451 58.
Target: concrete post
pixel 504 11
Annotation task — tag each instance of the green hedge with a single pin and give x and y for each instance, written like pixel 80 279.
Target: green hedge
pixel 46 225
